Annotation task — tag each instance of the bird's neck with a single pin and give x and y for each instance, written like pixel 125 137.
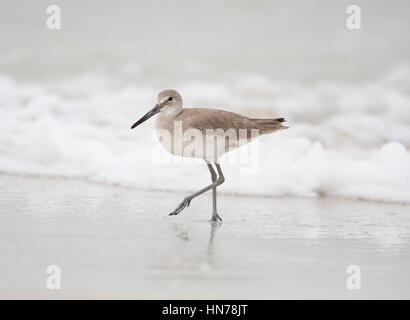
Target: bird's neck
pixel 165 119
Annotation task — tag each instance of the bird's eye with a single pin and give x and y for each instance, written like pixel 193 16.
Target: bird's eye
pixel 170 99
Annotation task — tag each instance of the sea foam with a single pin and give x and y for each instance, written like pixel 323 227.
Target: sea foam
pixel 344 140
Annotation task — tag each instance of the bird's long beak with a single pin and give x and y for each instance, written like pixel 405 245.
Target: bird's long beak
pixel 148 115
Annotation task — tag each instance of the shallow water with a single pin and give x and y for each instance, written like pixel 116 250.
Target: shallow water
pixel 114 242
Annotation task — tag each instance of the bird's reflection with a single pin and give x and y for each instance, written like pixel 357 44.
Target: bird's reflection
pixel 214 226
pixel 190 253
pixel 182 232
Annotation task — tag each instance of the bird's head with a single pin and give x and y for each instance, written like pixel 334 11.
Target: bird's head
pixel 169 102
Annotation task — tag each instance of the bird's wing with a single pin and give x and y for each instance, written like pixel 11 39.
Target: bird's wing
pixel 213 119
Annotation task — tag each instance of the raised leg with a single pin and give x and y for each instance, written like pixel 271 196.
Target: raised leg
pixel 216 181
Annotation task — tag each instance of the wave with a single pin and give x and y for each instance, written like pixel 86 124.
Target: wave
pixel 345 140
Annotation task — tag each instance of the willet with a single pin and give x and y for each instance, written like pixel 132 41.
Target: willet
pixel 215 132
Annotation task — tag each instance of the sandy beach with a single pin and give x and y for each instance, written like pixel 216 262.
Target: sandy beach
pixel 116 242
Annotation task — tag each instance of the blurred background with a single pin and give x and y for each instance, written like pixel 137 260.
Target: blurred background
pixel 69 96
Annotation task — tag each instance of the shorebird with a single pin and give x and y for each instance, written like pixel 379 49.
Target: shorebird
pixel 215 131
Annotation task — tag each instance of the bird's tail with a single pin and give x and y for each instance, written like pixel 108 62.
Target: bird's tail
pixel 269 125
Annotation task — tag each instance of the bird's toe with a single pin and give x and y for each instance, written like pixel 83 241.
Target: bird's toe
pixel 185 203
pixel 215 218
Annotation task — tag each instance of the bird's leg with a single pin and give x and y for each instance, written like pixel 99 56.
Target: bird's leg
pixel 187 200
pixel 215 216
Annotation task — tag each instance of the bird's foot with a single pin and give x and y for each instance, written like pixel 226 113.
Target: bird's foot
pixel 185 203
pixel 215 218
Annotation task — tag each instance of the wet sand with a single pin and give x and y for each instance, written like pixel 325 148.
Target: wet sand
pixel 114 242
